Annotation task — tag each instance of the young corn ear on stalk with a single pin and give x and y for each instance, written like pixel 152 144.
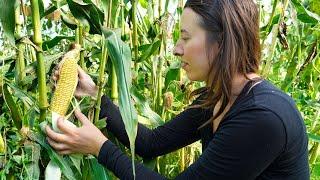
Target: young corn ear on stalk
pixel 2 148
pixel 66 85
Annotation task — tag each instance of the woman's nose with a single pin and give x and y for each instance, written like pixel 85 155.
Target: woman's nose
pixel 178 50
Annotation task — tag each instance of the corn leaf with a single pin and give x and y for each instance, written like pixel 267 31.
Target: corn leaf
pixel 144 108
pixel 14 108
pixel 149 50
pixel 314 137
pixel 26 98
pixel 41 8
pixel 101 123
pixel 121 58
pixel 171 75
pixel 33 156
pixel 53 42
pixel 57 159
pixel 76 160
pixel 54 6
pixel 68 21
pixel 7 18
pixel 87 13
pixel 98 171
pixel 305 15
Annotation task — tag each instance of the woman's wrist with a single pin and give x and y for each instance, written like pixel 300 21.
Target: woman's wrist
pixel 99 145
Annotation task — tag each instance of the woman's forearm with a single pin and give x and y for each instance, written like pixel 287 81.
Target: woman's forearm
pixel 176 133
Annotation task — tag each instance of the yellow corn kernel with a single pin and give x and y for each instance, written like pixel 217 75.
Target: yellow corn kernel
pixel 67 82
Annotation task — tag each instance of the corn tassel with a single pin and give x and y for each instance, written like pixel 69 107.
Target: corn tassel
pixel 66 85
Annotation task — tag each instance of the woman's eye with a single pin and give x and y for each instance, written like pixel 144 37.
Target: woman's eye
pixel 185 38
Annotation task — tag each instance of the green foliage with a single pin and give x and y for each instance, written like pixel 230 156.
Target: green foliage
pixel 88 14
pixel 7 11
pixel 121 59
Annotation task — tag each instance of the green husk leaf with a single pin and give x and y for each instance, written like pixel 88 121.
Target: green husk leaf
pixel 53 171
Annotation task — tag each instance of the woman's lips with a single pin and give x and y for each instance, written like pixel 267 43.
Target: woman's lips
pixel 184 65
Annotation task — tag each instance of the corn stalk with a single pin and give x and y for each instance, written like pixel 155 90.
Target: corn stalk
pixel 275 31
pixel 37 39
pixel 122 23
pixel 20 63
pixel 135 35
pixel 107 6
pixel 275 2
pixel 114 81
pixel 102 79
pixel 313 154
pixel 79 40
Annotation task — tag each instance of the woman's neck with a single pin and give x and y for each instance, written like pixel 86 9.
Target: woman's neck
pixel 240 81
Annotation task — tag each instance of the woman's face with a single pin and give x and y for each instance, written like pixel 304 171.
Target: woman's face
pixel 191 47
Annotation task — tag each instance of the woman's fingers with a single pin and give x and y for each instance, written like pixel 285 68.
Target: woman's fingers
pixel 64 152
pixel 55 76
pixel 56 72
pixel 81 117
pixel 65 126
pixel 55 136
pixel 57 146
pixel 81 72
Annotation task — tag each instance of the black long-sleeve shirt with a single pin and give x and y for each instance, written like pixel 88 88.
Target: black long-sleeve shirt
pixel 261 137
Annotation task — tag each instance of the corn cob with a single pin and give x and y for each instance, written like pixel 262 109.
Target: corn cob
pixel 2 148
pixel 66 85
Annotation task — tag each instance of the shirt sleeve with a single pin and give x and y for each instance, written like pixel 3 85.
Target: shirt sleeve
pixel 242 148
pixel 176 133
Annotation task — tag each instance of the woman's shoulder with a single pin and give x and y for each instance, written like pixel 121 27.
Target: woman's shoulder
pixel 267 97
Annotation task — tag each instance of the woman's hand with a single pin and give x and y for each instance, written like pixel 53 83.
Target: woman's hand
pixel 86 139
pixel 85 87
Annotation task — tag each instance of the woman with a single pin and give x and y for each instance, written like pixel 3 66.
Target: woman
pixel 249 129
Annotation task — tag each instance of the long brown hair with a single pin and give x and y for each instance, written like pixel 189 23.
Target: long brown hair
pixel 234 25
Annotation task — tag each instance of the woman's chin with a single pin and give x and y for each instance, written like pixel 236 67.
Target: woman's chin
pixel 193 78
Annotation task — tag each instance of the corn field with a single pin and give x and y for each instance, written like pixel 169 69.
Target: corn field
pixel 126 47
